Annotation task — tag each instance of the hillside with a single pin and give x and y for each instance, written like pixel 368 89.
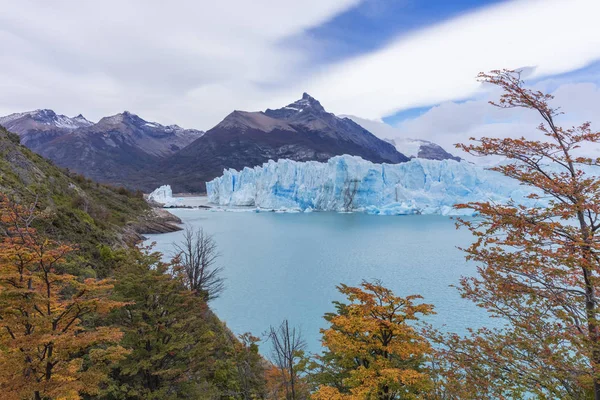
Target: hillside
pixel 80 210
pixel 101 223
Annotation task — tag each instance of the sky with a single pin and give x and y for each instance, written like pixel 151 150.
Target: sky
pixel 410 64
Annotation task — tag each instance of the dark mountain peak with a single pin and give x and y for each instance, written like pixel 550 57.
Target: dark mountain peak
pixel 433 151
pixel 307 101
pixel 129 116
pixel 81 120
pixel 125 117
pixel 44 114
pixel 307 105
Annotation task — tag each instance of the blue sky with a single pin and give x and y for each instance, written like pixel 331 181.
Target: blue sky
pixel 588 74
pixel 372 23
pixel 192 63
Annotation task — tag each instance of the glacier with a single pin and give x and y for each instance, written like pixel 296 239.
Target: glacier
pixel 349 183
pixel 164 195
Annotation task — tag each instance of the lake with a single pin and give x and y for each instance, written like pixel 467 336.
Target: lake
pixel 281 266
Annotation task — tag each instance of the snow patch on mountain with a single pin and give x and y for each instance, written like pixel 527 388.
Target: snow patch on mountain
pixel 347 183
pixel 47 117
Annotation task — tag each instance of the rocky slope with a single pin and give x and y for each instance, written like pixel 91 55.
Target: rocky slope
pixel 78 209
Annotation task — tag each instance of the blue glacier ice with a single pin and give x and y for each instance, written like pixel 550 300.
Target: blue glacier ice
pixel 348 183
pixel 164 195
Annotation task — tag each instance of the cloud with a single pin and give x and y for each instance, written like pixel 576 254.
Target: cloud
pixel 455 122
pixel 192 63
pixel 180 61
pixel 439 63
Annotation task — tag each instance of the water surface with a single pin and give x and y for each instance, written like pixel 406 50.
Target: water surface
pixel 287 265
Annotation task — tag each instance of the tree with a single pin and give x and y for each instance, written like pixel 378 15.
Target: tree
pixel 46 349
pixel 166 331
pixel 250 366
pixel 288 347
pixel 538 267
pixel 373 351
pixel 198 254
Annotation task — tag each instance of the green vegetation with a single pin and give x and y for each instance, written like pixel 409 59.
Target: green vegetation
pixel 178 348
pixel 170 344
pixel 83 212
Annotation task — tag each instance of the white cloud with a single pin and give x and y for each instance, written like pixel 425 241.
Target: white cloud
pixel 451 122
pixel 439 63
pixel 189 62
pixel 192 62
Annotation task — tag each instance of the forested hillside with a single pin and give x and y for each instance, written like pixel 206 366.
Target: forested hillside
pixel 86 313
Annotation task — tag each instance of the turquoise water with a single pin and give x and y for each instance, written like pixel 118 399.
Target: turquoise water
pixel 281 266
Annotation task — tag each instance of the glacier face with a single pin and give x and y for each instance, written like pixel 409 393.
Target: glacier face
pixel 164 195
pixel 348 183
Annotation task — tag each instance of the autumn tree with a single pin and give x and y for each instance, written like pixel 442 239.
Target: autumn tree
pixel 198 254
pixel 374 351
pixel 166 329
pixel 538 266
pixel 46 349
pixel 288 348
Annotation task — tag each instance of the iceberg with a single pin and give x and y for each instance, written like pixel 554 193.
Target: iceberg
pixel 164 195
pixel 349 183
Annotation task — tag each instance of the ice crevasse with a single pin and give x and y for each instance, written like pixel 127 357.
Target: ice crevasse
pixel 349 183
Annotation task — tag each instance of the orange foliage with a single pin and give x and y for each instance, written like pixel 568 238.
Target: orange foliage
pixel 539 267
pixel 46 351
pixel 373 340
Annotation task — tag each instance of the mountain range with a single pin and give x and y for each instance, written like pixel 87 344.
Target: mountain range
pixel 119 149
pixel 127 150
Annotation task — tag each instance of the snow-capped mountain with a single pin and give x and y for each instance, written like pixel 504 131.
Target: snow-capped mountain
pixel 301 131
pixel 38 127
pixel 414 148
pixel 42 119
pixel 119 149
pixel 347 183
pixel 418 148
pixel 150 137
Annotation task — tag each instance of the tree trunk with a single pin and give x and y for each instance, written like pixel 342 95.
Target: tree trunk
pixel 590 303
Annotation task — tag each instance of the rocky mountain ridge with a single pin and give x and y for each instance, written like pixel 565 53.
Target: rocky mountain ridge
pixel 124 149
